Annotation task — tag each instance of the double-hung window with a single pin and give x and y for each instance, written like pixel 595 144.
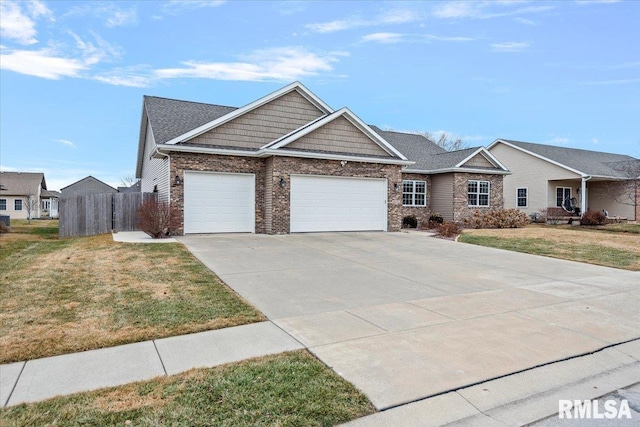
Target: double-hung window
pixel 17 205
pixel 521 198
pixel 3 204
pixel 478 193
pixel 562 194
pixel 414 193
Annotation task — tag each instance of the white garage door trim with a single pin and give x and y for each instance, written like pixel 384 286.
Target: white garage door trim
pixel 328 203
pixel 219 202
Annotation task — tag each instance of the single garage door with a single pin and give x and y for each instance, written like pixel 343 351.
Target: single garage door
pixel 219 202
pixel 323 203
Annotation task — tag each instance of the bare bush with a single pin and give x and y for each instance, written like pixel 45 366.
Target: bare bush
pixel 497 218
pixel 157 219
pixel 593 218
pixel 448 229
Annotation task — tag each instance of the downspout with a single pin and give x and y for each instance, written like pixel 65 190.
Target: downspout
pixel 166 156
pixel 583 194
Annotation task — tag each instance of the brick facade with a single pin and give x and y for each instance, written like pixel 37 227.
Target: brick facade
pixel 271 194
pixel 422 214
pixel 461 208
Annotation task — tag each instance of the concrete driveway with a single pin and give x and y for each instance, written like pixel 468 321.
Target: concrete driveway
pixel 404 316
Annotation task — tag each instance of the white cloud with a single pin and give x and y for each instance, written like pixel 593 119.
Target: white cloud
pixel 396 16
pixel 18 20
pixel 288 63
pixel 110 13
pixel 44 63
pixel 595 141
pixel 485 9
pixel 610 82
pixel 558 140
pixel 525 21
pixel 509 47
pixel 66 142
pixel 383 38
pixel 118 17
pixel 176 5
pixel 447 38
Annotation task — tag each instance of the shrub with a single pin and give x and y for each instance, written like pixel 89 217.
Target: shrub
pixel 434 220
pixel 157 219
pixel 497 218
pixel 409 221
pixel 593 218
pixel 448 229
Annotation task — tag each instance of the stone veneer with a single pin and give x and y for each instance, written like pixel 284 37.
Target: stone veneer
pixel 422 213
pixel 461 208
pixel 284 167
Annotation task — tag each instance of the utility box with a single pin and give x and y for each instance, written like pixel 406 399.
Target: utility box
pixel 6 220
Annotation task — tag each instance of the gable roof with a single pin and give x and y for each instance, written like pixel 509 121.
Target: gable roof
pixel 322 121
pixel 50 193
pixel 21 183
pixel 582 162
pixel 413 146
pixel 88 179
pixel 297 86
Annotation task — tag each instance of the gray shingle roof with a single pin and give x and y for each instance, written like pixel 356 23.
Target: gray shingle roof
pixel 21 183
pixel 170 118
pixel 594 163
pixel 415 147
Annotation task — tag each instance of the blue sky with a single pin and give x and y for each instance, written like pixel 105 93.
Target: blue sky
pixel 73 73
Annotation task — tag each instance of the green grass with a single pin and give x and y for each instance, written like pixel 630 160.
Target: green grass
pixel 290 389
pixel 594 254
pixel 618 228
pixel 62 296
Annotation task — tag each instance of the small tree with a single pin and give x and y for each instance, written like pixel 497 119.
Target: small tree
pixel 157 219
pixel 30 206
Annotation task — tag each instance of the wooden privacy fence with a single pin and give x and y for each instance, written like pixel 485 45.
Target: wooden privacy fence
pixel 90 214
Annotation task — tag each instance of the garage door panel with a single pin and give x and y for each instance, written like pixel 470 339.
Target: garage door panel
pixel 219 203
pixel 338 204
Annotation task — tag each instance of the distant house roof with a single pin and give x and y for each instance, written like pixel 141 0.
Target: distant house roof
pixel 583 162
pixel 21 183
pixel 86 185
pixel 47 193
pixel 135 188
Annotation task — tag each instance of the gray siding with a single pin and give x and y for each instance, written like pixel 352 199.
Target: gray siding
pixel 262 125
pixel 339 136
pixel 478 161
pixel 87 185
pixel 442 195
pixel 532 173
pixel 155 171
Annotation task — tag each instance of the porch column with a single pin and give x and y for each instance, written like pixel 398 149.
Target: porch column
pixel 583 195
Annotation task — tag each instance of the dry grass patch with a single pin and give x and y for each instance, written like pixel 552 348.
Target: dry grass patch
pixel 61 296
pixel 289 389
pixel 608 246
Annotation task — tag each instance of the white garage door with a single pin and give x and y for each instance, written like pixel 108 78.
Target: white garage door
pixel 321 203
pixel 219 202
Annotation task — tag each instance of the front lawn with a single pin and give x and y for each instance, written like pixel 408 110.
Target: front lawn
pixel 290 389
pixel 63 296
pixel 615 245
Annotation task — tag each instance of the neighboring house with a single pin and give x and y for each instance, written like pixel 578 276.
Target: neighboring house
pixel 544 175
pixel 288 162
pixel 134 188
pixel 20 194
pixel 49 203
pixel 88 185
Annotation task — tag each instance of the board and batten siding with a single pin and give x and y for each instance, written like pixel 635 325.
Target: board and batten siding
pixel 263 125
pixel 155 171
pixel 442 195
pixel 532 173
pixel 339 136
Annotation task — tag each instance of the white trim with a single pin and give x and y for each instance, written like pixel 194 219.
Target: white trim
pixel 343 112
pixel 297 86
pixel 413 193
pixel 456 170
pixel 328 156
pixel 488 205
pixel 484 152
pixel 207 150
pixel 563 198
pixel 526 197
pixel 582 174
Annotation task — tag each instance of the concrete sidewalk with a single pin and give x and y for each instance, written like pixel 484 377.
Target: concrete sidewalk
pixel 41 379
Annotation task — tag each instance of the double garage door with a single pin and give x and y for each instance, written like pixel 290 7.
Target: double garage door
pixel 225 203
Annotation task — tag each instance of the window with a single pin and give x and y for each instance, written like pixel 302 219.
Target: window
pixel 478 193
pixel 46 204
pixel 414 193
pixel 3 204
pixel 562 193
pixel 521 198
pixel 17 205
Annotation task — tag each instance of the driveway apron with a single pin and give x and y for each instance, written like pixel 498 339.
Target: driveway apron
pixel 404 316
